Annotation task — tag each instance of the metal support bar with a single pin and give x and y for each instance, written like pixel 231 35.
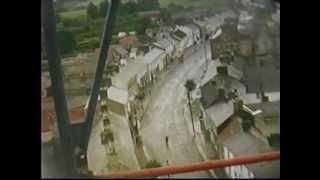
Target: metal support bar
pixel 200 166
pixel 55 71
pixel 104 45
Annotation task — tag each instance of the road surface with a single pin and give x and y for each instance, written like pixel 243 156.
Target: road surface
pixel 165 117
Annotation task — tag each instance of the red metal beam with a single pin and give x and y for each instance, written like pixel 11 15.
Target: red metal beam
pixel 199 166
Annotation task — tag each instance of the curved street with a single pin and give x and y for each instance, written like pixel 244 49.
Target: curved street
pixel 165 117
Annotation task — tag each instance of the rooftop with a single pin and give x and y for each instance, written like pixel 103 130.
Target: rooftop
pixel 119 49
pixel 269 109
pixel 220 112
pixel 180 34
pixel 152 55
pixel 48 116
pixel 193 26
pixel 132 68
pixel 244 143
pixel 129 41
pixel 163 43
pixel 118 95
pixel 211 72
pixel 268 76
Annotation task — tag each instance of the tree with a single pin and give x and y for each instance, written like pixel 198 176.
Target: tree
pixel 66 42
pixel 128 8
pixel 148 5
pixel 165 15
pixel 153 164
pixel 175 7
pixel 190 86
pixel 103 7
pixel 142 24
pixel 92 11
pixel 58 18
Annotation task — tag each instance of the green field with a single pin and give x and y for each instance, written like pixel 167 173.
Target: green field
pixel 194 3
pixel 73 13
pixel 78 11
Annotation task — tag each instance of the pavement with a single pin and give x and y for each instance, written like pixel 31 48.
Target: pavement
pixel 96 151
pixel 99 160
pixel 165 117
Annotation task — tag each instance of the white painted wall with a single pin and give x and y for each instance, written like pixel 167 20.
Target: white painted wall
pixel 189 39
pixel 236 171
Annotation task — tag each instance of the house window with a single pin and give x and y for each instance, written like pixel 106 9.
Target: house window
pixel 213 83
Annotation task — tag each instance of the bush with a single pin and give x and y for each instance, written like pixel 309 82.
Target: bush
pixel 78 21
pixel 66 42
pixel 89 44
pixel 153 164
pixel 92 11
pixel 103 7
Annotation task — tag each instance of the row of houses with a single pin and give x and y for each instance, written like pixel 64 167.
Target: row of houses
pixel 240 94
pixel 218 95
pixel 139 71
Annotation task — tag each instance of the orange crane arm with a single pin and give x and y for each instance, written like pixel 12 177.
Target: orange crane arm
pixel 199 166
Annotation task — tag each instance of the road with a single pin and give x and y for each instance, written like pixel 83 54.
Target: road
pixel 164 116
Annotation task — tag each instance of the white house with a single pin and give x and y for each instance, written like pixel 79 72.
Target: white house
pixel 166 45
pixel 133 53
pixel 118 100
pixel 154 60
pixel 189 35
pixel 195 32
pixel 181 41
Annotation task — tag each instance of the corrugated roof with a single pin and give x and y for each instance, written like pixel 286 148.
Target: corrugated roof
pixel 48 117
pixel 77 115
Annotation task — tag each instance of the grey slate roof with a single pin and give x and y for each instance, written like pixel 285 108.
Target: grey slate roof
pixel 268 108
pixel 268 76
pixel 210 92
pixel 180 34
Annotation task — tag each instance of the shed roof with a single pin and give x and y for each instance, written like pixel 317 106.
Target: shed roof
pixel 118 95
